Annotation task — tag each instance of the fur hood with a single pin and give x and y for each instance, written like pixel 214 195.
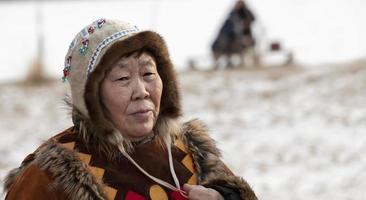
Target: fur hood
pixel 90 57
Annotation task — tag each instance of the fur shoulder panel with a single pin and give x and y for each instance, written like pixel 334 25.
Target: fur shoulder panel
pixel 69 174
pixel 211 170
pixel 14 173
pixel 196 132
pixel 202 147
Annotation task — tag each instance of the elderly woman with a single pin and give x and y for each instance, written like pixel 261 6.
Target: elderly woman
pixel 126 142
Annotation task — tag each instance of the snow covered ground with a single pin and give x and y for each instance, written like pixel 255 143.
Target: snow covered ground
pixel 293 133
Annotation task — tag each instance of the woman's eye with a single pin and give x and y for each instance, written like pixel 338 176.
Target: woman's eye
pixel 124 78
pixel 149 74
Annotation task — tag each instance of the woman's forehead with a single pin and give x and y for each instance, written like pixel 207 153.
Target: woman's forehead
pixel 144 59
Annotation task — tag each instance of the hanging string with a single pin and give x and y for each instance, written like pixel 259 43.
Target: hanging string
pixel 177 187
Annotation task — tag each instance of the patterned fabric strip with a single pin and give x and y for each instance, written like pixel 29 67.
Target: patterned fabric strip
pixel 108 40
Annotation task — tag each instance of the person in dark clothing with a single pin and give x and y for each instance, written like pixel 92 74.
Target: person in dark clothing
pixel 245 19
pixel 235 36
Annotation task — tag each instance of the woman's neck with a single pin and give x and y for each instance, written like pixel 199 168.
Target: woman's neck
pixel 142 140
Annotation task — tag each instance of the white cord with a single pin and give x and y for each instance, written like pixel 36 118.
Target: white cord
pixel 157 180
pixel 171 166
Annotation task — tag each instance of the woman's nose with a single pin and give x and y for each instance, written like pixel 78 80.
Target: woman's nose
pixel 139 90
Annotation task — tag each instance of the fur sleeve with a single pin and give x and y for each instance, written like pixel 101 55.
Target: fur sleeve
pixel 52 168
pixel 211 170
pixel 33 183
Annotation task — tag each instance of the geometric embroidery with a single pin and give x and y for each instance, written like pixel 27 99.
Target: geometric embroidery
pixel 105 42
pixel 69 146
pixel 187 161
pixel 178 143
pixel 110 192
pixel 84 34
pixel 193 179
pixel 96 171
pixel 84 157
pixel 157 193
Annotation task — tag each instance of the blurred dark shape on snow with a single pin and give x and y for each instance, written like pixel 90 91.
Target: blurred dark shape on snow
pixel 235 37
pixel 237 47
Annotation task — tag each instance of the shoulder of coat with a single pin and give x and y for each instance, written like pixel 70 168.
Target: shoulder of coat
pixel 41 187
pixel 194 126
pixel 68 168
pixel 196 136
pixel 28 161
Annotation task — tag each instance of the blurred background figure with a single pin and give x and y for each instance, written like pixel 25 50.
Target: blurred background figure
pixel 235 37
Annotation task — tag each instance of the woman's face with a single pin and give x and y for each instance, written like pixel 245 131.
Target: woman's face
pixel 131 93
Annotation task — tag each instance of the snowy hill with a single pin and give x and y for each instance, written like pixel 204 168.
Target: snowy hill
pixel 293 133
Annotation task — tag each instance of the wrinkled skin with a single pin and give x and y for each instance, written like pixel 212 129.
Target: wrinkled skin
pixel 131 93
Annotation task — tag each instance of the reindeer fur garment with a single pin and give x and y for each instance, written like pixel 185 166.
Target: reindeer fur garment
pixel 57 171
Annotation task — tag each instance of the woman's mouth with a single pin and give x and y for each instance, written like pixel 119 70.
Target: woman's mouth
pixel 142 114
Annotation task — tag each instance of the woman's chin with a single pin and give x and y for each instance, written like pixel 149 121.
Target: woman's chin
pixel 139 137
pixel 140 132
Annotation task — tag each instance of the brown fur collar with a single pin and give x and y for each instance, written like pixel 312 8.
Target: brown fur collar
pixel 210 168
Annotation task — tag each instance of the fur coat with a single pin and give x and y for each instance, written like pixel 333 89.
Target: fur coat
pixel 64 168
